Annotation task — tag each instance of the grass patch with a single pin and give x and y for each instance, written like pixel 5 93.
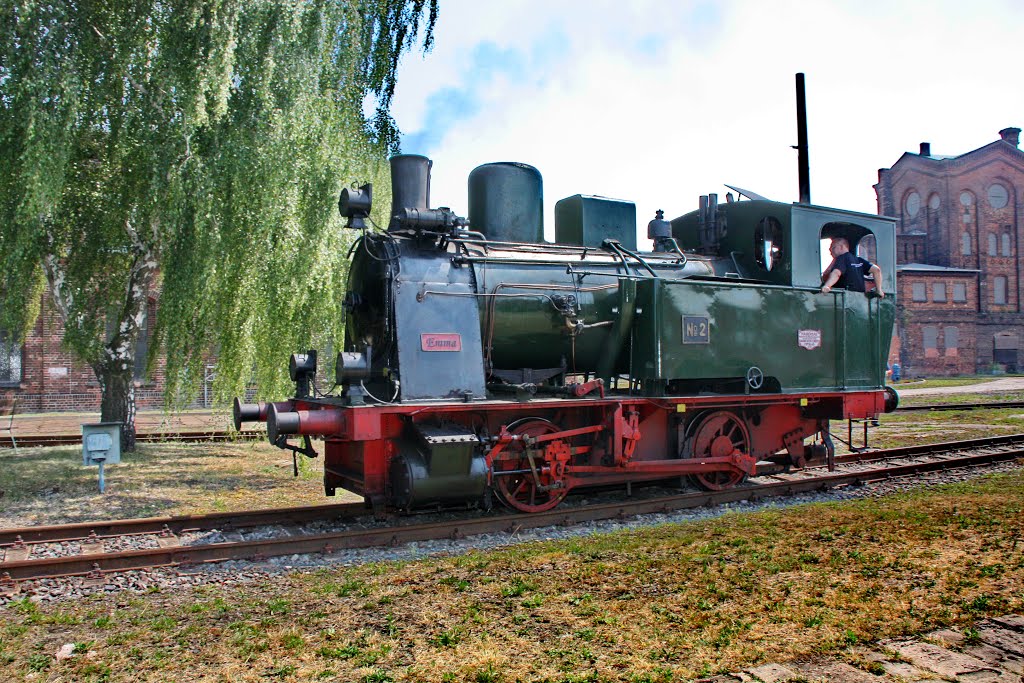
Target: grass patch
pixel 918 428
pixel 942 382
pixel 665 603
pixel 50 486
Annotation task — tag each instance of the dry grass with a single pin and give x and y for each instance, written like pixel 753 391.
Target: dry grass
pixel 51 486
pixel 667 603
pixel 980 397
pixel 912 429
pixel 934 382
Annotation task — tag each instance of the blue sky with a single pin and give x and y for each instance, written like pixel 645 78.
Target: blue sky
pixel 661 101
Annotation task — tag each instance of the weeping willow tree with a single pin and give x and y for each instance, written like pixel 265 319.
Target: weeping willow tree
pixel 195 149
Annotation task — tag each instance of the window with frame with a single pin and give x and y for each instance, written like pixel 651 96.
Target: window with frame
pixel 939 291
pixel 999 290
pixel 1005 239
pixel 918 292
pixel 952 335
pixel 10 360
pixel 992 244
pixel 965 244
pixel 768 241
pixel 959 292
pixel 930 340
pixel 867 248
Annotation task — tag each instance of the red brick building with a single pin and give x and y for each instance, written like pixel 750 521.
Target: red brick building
pixel 958 253
pixel 43 377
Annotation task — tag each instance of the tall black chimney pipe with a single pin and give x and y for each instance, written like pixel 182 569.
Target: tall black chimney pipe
pixel 801 141
pixel 410 184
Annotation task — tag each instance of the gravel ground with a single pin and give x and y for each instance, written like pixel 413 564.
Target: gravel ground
pixel 238 573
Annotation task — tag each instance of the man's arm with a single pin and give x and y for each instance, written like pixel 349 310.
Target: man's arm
pixel 876 273
pixel 833 278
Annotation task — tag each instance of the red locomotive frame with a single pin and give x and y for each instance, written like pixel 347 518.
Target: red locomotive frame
pixel 537 451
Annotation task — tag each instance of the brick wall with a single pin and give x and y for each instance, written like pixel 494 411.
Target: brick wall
pixel 949 353
pixel 53 381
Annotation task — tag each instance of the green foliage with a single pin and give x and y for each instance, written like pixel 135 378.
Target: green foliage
pixel 197 146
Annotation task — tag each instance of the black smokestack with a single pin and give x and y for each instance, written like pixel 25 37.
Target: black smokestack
pixel 410 183
pixel 801 141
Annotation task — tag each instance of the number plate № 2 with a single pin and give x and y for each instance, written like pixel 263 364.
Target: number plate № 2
pixel 441 342
pixel 696 330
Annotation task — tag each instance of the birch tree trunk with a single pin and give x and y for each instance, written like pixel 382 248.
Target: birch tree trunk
pixel 113 363
pixel 118 401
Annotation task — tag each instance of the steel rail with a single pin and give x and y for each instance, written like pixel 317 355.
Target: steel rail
pixel 178 523
pixel 257 550
pixel 213 435
pixel 1005 441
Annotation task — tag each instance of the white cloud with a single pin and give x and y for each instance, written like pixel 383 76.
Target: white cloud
pixel 660 101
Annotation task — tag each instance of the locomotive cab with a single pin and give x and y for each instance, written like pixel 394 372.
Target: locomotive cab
pixel 780 244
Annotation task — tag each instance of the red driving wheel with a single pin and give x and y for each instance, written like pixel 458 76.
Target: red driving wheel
pixel 519 489
pixel 719 435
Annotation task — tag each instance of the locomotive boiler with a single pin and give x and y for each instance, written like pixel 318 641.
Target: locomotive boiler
pixel 482 361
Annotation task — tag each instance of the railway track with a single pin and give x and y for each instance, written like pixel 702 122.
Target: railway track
pixel 94 561
pixel 34 440
pixel 217 435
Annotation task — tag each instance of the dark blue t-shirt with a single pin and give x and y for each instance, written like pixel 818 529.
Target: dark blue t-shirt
pixel 852 270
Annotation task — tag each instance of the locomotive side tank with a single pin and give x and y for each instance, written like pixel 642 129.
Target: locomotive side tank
pixel 475 366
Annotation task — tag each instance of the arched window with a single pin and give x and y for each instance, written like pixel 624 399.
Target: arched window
pixel 965 244
pixel 867 248
pixel 912 204
pixel 10 360
pixel 967 202
pixel 992 244
pixel 768 242
pixel 1006 244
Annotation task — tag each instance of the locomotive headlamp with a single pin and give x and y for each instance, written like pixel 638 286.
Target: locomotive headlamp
pixel 355 204
pixel 302 369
